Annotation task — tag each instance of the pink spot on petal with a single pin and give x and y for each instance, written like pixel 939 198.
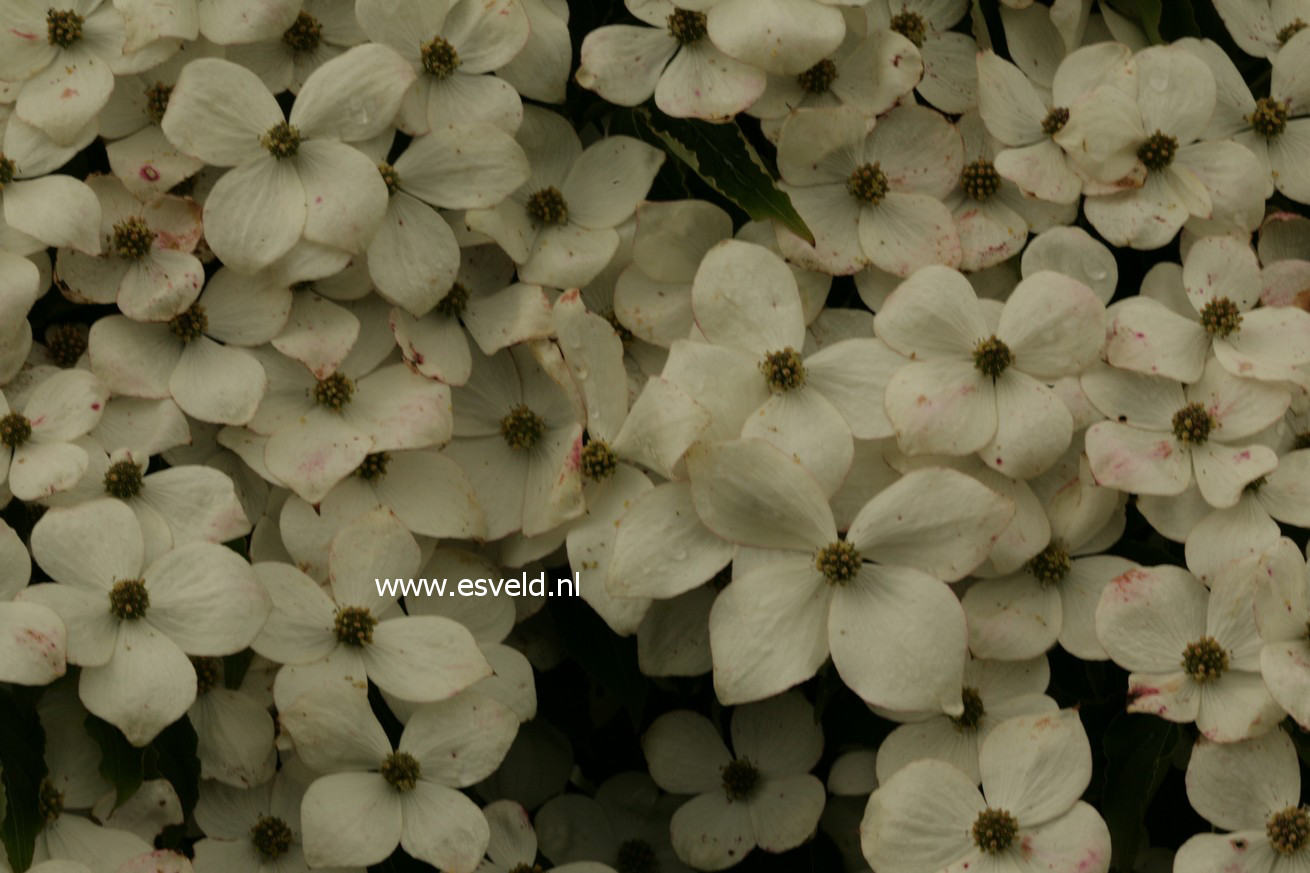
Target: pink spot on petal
pixel 149 173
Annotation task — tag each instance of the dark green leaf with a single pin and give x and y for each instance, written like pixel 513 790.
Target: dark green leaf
pixel 22 768
pixel 721 155
pixel 1138 750
pixel 607 658
pixel 1181 21
pixel 172 756
pixel 121 763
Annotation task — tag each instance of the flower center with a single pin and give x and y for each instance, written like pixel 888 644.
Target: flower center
pixel 739 779
pixel 282 140
pixel 547 206
pixel 1050 565
pixel 818 79
pixel 455 301
pixel 687 27
pixel 157 101
pixel 334 391
pixel 271 837
pixel 838 562
pixel 209 673
pixel 868 184
pixel 401 771
pixel 1269 118
pixel 63 27
pixel 992 357
pixel 1158 151
pixel 50 802
pixel 65 343
pixel 973 711
pixel 1205 660
pixel 1254 486
pixel 7 170
pixel 635 856
pixel 994 831
pixel 783 370
pixel 129 599
pixel 522 428
pixel 354 626
pixel 1288 830
pixel 374 466
pixel 598 460
pixel 304 35
pixel 911 26
pixel 1220 317
pixel 1193 423
pixel 15 429
pixel 1055 121
pixel 980 180
pixel 123 480
pixel 133 238
pixel 390 177
pixel 191 324
pixel 440 58
pixel 1291 30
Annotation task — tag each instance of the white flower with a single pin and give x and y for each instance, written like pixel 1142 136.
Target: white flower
pixel 452 48
pixel 993 692
pixel 1162 436
pixel 147 267
pixel 1194 655
pixel 750 374
pixel 1172 327
pixel 414 257
pixel 760 794
pixel 1263 27
pixel 356 634
pixel 371 798
pixel 1148 175
pixel 950 77
pixel 62 56
pixel 483 304
pixel 43 210
pixel 518 426
pixel 625 827
pixel 673 59
pixel 1254 790
pixel 222 21
pixel 931 817
pixel 234 731
pixel 559 225
pixel 815 593
pixel 1054 596
pixel 1282 615
pixel 132 625
pixel 978 384
pixel 291 177
pixel 38 451
pixel 321 31
pixel 870 193
pixel 540 71
pixel 254 829
pixel 870 71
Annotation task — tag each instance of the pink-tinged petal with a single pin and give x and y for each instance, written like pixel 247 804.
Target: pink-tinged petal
pixel 148 164
pixel 218 384
pixel 908 231
pixel 1012 618
pixel 1285 667
pixel 1036 766
pixel 62 98
pixel 1241 852
pixel 33 643
pixel 1223 471
pixel 1221 267
pixel 160 286
pixel 434 345
pixel 942 407
pixel 1137 461
pixel 702 82
pixel 1270 345
pixel 920 819
pixel 1145 336
pixel 313 454
pixel 899 640
pixel 1143 218
pixel 1076 842
pixel 1235 707
pixel 1171 696
pixel 833 217
pixel 1148 616
pixel 1080 592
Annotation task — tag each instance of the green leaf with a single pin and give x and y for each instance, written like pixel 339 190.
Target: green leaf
pixel 22 768
pixel 172 756
pixel 121 763
pixel 1149 13
pixel 722 156
pixel 1138 751
pixel 610 660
